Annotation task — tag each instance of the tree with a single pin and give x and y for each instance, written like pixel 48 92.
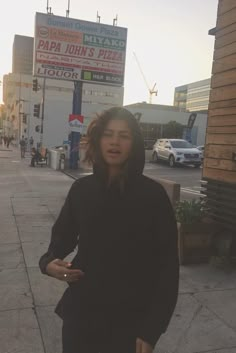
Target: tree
pixel 2 115
pixel 173 130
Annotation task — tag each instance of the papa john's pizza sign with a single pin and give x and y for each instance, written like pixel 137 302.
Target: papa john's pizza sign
pixel 70 49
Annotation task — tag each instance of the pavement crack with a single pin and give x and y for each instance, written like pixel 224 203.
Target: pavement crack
pixel 196 312
pixel 215 314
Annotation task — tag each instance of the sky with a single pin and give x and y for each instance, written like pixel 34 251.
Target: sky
pixel 169 38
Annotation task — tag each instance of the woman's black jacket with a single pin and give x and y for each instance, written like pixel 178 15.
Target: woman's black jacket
pixel 127 248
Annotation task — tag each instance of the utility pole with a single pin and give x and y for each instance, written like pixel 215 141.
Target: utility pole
pixel 68 10
pixel 74 135
pixel 98 18
pixel 42 116
pixel 19 113
pixel 49 9
pixel 115 20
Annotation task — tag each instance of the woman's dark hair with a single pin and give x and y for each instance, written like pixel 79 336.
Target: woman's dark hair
pixel 97 127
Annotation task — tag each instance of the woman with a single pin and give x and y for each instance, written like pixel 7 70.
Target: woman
pixel 123 282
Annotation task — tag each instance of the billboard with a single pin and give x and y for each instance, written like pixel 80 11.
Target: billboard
pixel 70 49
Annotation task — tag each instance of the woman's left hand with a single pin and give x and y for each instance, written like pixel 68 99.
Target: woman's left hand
pixel 143 347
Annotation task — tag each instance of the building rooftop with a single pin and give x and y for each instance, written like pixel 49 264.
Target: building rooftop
pixel 144 105
pixel 196 83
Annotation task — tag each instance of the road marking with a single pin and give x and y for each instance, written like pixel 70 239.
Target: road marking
pixel 191 191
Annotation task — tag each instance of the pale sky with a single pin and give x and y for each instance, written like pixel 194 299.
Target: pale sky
pixel 170 38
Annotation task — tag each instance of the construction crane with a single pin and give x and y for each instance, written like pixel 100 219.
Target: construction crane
pixel 152 91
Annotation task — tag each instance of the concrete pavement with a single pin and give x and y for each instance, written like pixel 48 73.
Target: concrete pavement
pixel 204 319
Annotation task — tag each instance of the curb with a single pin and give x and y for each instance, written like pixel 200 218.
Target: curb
pixel 75 177
pixel 68 174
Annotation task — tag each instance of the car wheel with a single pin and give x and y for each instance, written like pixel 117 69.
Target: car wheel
pixel 172 161
pixel 197 165
pixel 154 157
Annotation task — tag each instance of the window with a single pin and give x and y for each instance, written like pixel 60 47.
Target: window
pixel 181 144
pixel 167 144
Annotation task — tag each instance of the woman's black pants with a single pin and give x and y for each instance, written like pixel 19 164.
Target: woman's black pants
pixel 100 339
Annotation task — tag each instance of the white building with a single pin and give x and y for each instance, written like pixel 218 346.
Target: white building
pixel 19 99
pixel 152 117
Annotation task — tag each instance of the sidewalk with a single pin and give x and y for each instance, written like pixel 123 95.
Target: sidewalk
pixel 204 319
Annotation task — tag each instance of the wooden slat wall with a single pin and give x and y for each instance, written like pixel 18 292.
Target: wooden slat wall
pixel 221 132
pixel 221 202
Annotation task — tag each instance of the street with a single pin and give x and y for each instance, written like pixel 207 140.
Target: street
pixel 188 177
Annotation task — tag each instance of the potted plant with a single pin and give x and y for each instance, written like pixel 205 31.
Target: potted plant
pixel 195 231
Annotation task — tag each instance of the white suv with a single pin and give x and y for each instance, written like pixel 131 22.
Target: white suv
pixel 176 151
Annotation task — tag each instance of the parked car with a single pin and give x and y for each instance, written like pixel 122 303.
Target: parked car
pixel 201 149
pixel 176 151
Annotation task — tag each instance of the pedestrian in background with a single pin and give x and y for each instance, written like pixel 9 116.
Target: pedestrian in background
pixel 26 144
pixel 123 281
pixel 31 141
pixel 9 140
pixel 22 146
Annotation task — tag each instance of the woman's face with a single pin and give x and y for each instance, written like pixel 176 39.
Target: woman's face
pixel 116 143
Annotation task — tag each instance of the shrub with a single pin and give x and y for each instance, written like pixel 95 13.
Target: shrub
pixel 189 212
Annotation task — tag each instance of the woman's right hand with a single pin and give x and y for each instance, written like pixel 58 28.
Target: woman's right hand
pixel 61 270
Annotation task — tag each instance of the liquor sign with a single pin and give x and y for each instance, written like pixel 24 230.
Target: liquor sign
pixel 70 49
pixel 76 122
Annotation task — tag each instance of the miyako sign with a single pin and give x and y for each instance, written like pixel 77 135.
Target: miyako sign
pixel 70 49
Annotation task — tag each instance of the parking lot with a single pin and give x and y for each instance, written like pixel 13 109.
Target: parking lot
pixel 188 177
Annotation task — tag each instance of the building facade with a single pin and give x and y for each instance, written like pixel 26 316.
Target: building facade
pixel 219 170
pixel 154 117
pixel 180 97
pixel 22 54
pixel 19 99
pixel 193 96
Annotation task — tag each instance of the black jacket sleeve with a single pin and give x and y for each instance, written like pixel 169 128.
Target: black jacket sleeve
pixel 64 231
pixel 165 293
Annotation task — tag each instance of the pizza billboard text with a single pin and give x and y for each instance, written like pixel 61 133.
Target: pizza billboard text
pixel 70 49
